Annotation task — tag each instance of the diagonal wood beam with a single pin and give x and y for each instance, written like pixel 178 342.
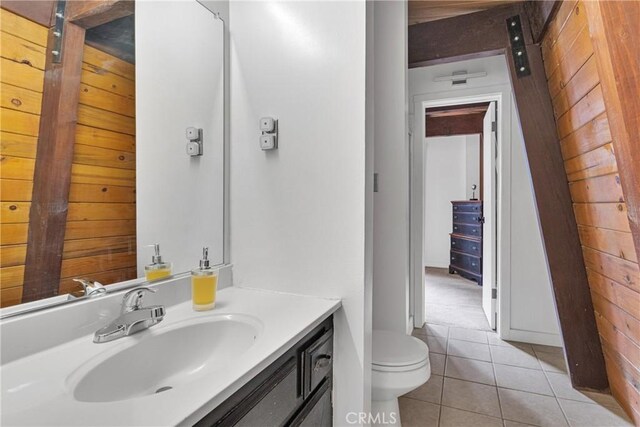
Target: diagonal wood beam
pixel 615 32
pixel 89 14
pixel 485 34
pixel 52 175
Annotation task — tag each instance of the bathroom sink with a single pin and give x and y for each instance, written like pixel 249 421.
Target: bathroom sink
pixel 161 359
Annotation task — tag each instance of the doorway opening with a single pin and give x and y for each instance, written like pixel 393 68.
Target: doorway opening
pixel 459 216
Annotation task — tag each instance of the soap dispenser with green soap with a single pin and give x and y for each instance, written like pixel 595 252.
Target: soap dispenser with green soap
pixel 204 282
pixel 157 269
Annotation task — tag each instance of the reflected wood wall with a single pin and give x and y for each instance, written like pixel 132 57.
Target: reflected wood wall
pixel 23 50
pixel 600 208
pixel 100 241
pixel 100 237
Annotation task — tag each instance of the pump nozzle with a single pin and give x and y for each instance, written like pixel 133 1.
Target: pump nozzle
pixel 155 259
pixel 204 262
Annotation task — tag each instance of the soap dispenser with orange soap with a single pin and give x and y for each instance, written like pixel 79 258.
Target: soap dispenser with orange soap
pixel 157 269
pixel 204 283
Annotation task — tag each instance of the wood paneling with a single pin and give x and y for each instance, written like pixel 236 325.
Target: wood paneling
pixel 454 125
pixel 615 32
pixel 23 28
pixel 21 75
pixel 604 215
pixel 592 135
pixel 601 161
pixel 616 243
pixel 579 84
pixel 19 99
pixel 625 298
pixel 600 189
pixel 22 47
pixel 102 210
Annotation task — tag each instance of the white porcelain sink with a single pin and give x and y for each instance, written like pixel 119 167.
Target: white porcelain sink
pixel 160 359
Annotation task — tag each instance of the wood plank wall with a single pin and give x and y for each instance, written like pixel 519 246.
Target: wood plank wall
pixel 23 47
pixel 599 202
pixel 100 237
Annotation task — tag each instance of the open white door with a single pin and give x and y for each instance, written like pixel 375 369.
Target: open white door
pixel 489 190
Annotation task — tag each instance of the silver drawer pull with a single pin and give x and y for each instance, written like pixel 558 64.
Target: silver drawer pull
pixel 473 264
pixel 323 361
pixel 453 243
pixel 474 248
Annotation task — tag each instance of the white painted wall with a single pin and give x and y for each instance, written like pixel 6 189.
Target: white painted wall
pixel 445 180
pixel 298 219
pixel 179 198
pixel 527 310
pixel 472 173
pixel 391 202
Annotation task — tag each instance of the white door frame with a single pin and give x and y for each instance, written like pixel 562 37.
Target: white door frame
pixel 502 95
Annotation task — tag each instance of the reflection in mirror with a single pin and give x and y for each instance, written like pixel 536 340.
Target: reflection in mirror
pixel 72 164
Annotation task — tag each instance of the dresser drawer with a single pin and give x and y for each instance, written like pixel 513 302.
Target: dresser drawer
pixel 466 262
pixel 467 207
pixel 468 229
pixel 466 217
pixel 471 247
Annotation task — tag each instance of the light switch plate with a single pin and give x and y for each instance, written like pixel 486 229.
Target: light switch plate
pixel 268 142
pixel 267 124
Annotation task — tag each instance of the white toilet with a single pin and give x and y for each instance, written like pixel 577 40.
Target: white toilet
pixel 400 363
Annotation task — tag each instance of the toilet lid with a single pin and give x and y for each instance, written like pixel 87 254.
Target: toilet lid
pixel 396 349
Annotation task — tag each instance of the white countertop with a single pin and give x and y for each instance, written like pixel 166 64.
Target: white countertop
pixel 36 391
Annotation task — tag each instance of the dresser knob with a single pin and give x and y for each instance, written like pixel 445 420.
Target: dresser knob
pixel 473 264
pixel 474 248
pixel 453 243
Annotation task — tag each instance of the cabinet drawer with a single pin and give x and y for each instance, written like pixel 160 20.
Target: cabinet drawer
pixel 466 262
pixel 318 361
pixel 471 247
pixel 466 217
pixel 467 207
pixel 468 229
pixel 278 402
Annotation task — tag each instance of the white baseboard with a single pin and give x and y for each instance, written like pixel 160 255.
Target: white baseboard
pixel 532 337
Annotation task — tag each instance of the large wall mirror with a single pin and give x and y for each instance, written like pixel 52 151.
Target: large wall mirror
pixel 94 165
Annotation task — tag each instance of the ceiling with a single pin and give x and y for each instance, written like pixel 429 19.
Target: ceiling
pixel 432 10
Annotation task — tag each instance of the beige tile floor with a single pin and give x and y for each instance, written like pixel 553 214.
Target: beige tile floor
pixel 480 380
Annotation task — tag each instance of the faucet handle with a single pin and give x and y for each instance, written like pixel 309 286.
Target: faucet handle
pixel 132 300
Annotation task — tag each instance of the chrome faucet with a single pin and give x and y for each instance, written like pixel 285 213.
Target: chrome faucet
pixel 133 317
pixel 90 289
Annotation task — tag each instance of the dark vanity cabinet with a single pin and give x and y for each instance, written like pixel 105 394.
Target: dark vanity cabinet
pixel 466 240
pixel 295 390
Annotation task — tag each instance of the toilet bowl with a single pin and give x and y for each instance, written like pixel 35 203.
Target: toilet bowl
pixel 400 364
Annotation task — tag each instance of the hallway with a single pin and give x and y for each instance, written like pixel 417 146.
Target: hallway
pixel 453 300
pixel 478 380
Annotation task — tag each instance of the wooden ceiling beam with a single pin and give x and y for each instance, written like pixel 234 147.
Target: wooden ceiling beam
pixel 40 11
pixel 469 36
pixel 91 13
pixel 457 110
pixel 484 34
pixel 454 125
pixel 540 13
